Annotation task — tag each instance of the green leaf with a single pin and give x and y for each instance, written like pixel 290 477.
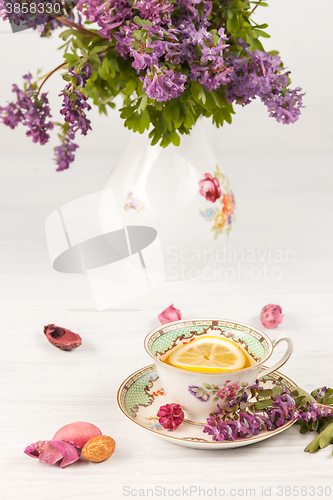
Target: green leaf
pixel 145 119
pixel 136 45
pixel 126 112
pixel 188 117
pixel 98 48
pixel 233 23
pixel 64 35
pixel 130 86
pixel 141 22
pixel 322 440
pixel 277 389
pixel 261 405
pixel 304 394
pixel 103 73
pixel 261 33
pixel 177 118
pixel 137 35
pixel 71 58
pixel 143 103
pixel 265 394
pixel 206 386
pixel 156 138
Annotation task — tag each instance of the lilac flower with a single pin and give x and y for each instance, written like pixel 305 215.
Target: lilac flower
pixel 11 115
pixel 31 110
pixel 211 77
pixel 73 108
pixel 163 85
pixel 75 102
pixel 222 428
pixel 64 153
pixel 108 15
pixel 260 75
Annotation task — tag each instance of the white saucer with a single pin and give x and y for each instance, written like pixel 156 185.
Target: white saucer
pixel 141 395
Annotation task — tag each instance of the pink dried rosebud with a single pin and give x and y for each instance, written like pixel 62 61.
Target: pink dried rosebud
pixel 50 452
pixel 271 316
pixel 77 434
pixel 170 416
pixel 169 314
pixel 62 338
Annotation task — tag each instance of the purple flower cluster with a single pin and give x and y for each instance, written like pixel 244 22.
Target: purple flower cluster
pixel 157 42
pixel 64 153
pixel 259 75
pixel 163 85
pixel 31 110
pixel 74 109
pixel 235 424
pixel 75 102
pixel 36 18
pixel 247 424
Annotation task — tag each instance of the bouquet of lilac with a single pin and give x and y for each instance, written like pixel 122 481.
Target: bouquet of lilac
pixel 172 61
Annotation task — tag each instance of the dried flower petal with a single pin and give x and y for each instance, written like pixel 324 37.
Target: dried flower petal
pixel 50 452
pixel 62 338
pixel 271 316
pixel 170 416
pixel 170 314
pixel 77 433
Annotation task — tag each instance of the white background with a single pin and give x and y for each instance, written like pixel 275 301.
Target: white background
pixel 282 177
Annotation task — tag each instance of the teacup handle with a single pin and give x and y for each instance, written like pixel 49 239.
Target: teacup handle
pixel 284 358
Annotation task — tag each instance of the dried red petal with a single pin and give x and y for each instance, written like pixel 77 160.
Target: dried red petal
pixel 50 452
pixel 170 314
pixel 170 416
pixel 271 316
pixel 62 338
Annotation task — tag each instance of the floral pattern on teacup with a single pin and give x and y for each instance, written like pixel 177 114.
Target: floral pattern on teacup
pixel 228 392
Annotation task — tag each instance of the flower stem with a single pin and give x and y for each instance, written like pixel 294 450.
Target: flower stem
pixel 76 26
pixel 254 8
pixel 50 74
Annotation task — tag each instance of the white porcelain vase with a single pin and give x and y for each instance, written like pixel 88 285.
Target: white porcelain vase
pixel 182 193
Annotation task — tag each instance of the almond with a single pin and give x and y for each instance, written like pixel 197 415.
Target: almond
pixel 98 449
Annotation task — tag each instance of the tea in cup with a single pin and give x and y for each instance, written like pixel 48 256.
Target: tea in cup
pixel 206 363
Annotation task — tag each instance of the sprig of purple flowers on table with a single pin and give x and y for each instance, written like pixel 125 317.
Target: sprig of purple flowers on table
pixel 259 409
pixel 172 61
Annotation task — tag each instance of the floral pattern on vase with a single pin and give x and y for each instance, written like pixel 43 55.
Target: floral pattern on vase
pixel 228 392
pixel 133 202
pixel 216 189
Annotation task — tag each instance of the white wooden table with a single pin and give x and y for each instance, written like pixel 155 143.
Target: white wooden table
pixel 284 204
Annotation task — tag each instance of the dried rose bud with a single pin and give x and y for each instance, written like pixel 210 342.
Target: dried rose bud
pixel 169 314
pixel 62 338
pixel 77 434
pixel 50 452
pixel 170 416
pixel 271 316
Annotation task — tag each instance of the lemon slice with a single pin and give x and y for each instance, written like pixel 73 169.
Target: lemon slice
pixel 208 354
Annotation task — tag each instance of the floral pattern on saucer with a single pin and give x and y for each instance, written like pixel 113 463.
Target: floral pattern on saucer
pixel 141 395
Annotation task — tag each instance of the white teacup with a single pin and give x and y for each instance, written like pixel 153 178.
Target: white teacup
pixel 200 393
